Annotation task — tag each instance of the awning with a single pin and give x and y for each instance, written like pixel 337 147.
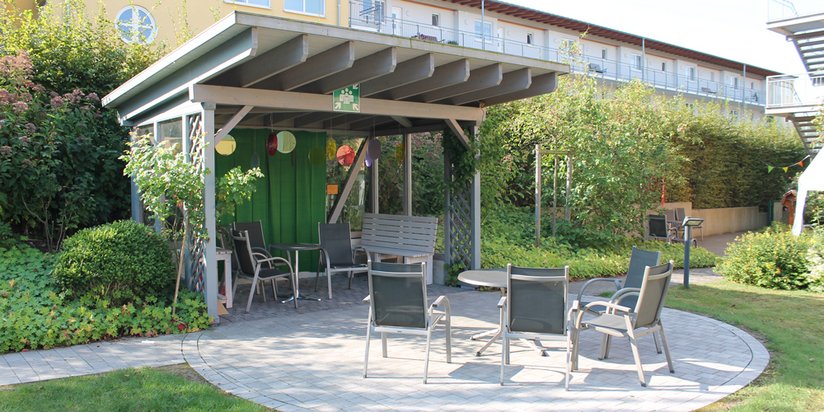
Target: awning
pixel 281 74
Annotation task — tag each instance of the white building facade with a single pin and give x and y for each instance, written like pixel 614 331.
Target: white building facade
pixel 611 55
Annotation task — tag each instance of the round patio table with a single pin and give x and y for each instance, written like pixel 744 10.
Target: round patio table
pixel 493 278
pixel 297 248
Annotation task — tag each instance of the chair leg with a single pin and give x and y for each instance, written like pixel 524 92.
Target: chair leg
pixel 426 357
pixel 383 345
pixel 633 343
pixel 351 275
pixel 503 356
pixel 605 342
pixel 568 360
pixel 368 338
pixel 329 282
pixel 666 348
pixel 448 339
pixel 655 340
pixel 317 273
pixel 252 293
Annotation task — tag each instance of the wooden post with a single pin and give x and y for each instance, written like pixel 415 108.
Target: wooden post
pixel 407 174
pixel 210 251
pixel 568 188
pixel 555 196
pixel 538 185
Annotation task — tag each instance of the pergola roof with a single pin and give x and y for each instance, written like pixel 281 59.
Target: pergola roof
pixel 262 71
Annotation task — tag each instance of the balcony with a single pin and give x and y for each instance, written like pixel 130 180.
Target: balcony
pixel 368 15
pixel 790 93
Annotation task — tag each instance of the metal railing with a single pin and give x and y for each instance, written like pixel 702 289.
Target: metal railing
pixel 365 16
pixel 793 90
pixel 780 10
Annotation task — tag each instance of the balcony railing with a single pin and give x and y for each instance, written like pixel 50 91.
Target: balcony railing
pixel 802 90
pixel 366 16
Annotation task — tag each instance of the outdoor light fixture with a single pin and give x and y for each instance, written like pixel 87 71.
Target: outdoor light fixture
pixel 688 224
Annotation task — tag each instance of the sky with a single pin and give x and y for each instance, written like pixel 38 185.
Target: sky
pixel 733 29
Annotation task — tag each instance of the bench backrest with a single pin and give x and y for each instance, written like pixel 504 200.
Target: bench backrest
pixel 408 233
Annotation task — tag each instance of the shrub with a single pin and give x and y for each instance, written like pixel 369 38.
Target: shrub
pixel 122 262
pixel 815 257
pixel 33 314
pixel 772 259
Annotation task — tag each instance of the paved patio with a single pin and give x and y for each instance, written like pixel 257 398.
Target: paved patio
pixel 311 359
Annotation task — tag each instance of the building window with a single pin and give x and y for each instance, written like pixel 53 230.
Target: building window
pixel 691 73
pixel 260 3
pixel 636 61
pixel 436 19
pixel 664 66
pixel 487 28
pixel 604 54
pixel 712 76
pixel 752 85
pixel 735 83
pixel 529 38
pixel 305 6
pixel 136 25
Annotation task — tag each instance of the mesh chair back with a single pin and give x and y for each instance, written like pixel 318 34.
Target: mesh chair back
pixel 537 299
pixel 680 214
pixel 255 233
pixel 653 293
pixel 638 263
pixel 398 294
pixel 243 251
pixel 670 214
pixel 336 241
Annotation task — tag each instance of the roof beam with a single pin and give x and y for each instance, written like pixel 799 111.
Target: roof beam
pixel 512 82
pixel 372 66
pixel 410 71
pixel 232 123
pixel 458 130
pixel 327 63
pixel 238 49
pixel 403 121
pixel 482 78
pixel 281 58
pixel 542 84
pixel 443 76
pixel 223 95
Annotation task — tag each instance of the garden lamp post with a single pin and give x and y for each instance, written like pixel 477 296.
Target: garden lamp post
pixel 689 223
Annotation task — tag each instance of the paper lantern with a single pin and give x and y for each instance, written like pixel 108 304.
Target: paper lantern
pixel 373 150
pixel 272 143
pixel 226 146
pixel 317 156
pixel 345 155
pixel 286 142
pixel 331 149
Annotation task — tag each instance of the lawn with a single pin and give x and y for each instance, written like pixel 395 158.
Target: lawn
pixel 176 388
pixel 789 322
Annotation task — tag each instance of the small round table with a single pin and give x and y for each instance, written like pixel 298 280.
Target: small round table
pixel 297 248
pixel 493 278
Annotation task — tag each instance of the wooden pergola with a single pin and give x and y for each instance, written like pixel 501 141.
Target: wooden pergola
pixel 253 71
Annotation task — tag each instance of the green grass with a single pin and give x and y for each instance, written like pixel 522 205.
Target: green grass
pixel 176 388
pixel 792 327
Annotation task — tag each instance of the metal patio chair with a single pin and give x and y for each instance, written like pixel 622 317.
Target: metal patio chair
pixel 535 308
pixel 621 321
pixel 259 268
pixel 336 253
pixel 397 304
pixel 638 262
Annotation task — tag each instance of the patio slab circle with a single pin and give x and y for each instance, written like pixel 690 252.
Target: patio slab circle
pixel 314 361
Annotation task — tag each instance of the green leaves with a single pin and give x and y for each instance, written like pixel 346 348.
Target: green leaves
pixel 33 315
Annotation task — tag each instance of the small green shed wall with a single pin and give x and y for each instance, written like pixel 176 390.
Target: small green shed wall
pixel 290 200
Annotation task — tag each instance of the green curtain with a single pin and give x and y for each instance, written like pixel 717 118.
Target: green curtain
pixel 290 200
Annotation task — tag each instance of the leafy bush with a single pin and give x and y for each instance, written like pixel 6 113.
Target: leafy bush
pixel 815 257
pixel 33 314
pixel 508 238
pixel 772 259
pixel 122 262
pixel 58 148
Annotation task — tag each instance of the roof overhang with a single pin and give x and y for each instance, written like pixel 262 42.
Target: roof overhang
pixel 281 73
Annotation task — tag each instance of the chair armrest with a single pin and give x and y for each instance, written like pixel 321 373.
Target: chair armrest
pixel 623 293
pixel 441 301
pixel 609 305
pixel 262 251
pixel 502 302
pixel 366 252
pixel 367 299
pixel 591 281
pixel 281 260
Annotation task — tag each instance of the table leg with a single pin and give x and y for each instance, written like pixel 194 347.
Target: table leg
pixel 296 283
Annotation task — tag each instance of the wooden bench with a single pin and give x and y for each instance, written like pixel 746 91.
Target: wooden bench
pixel 410 237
